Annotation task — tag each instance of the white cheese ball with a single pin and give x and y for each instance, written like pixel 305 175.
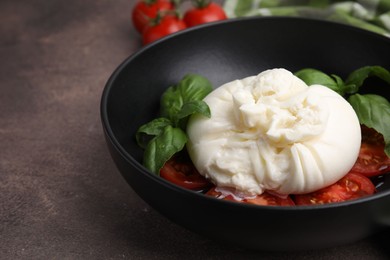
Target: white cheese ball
pixel 273 132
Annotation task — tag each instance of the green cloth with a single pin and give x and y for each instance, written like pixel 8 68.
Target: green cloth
pixel 373 15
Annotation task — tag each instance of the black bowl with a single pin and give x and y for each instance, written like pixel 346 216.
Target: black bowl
pixel 222 52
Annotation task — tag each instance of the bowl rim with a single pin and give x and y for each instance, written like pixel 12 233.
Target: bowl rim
pixel 137 165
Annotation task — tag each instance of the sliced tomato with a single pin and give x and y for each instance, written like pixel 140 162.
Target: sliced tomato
pixel 372 160
pixel 352 186
pixel 217 194
pixel 182 172
pixel 271 200
pixel 265 199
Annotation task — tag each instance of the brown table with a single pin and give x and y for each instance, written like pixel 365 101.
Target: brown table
pixel 61 196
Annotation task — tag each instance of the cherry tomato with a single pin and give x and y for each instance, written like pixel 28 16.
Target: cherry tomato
pixel 351 186
pixel 372 160
pixel 203 14
pixel 271 200
pixel 180 171
pixel 265 199
pixel 166 25
pixel 145 10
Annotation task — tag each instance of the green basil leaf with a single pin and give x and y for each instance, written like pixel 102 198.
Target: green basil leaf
pixel 313 76
pixel 162 137
pixel 192 87
pixel 171 102
pixel 147 131
pixel 162 147
pixel 189 108
pixel 357 77
pixel 196 106
pixel 374 112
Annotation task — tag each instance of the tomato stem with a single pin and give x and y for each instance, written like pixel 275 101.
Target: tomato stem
pixel 149 2
pixel 201 3
pixel 160 15
pixel 176 3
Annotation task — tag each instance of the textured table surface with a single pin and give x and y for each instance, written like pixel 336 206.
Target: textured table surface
pixel 61 196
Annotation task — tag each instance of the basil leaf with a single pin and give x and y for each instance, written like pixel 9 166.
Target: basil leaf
pixel 195 87
pixel 191 88
pixel 357 77
pixel 162 147
pixel 189 108
pixel 374 112
pixel 196 106
pixel 163 137
pixel 313 76
pixel 171 102
pixel 151 129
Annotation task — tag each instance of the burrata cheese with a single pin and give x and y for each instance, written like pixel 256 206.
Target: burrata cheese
pixel 273 132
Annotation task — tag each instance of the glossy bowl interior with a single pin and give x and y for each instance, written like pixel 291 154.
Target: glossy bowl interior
pixel 223 52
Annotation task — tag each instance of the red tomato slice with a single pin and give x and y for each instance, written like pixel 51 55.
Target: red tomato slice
pixel 271 200
pixel 265 199
pixel 200 15
pixel 372 160
pixel 352 186
pixel 183 173
pixel 214 193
